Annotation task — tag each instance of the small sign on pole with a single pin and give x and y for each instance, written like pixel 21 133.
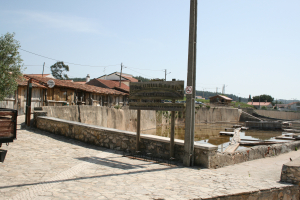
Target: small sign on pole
pixel 189 89
pixel 51 83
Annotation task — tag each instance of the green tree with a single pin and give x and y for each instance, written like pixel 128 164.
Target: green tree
pixel 142 79
pixel 10 65
pixel 58 70
pixel 263 98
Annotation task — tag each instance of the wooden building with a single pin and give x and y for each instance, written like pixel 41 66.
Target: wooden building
pixel 220 100
pixel 64 92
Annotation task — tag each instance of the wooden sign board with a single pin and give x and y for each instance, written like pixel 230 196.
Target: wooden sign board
pixel 8 125
pixel 156 106
pixel 157 90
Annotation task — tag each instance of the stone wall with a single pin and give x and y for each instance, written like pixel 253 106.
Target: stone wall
pixel 279 114
pixel 290 172
pixel 206 155
pixel 219 159
pixel 248 117
pixel 122 119
pixel 124 140
pixel 288 193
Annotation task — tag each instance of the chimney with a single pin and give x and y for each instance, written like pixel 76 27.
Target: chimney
pixel 88 78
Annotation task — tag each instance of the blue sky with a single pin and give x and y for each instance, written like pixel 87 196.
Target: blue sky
pixel 251 46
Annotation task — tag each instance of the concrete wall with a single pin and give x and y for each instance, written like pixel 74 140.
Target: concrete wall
pixel 279 114
pixel 123 140
pixel 211 115
pixel 203 115
pixel 122 119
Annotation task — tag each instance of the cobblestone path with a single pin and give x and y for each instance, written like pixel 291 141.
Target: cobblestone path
pixel 40 165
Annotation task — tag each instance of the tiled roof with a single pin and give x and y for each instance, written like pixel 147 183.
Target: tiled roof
pixel 81 82
pixel 227 98
pixel 293 103
pixel 24 81
pixel 41 75
pixel 113 84
pixel 131 79
pixel 125 76
pixel 73 85
pixel 257 103
pixel 224 97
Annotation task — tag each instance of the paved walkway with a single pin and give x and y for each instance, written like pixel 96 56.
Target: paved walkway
pixel 40 165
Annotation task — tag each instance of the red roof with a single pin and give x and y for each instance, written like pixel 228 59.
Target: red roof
pixel 109 84
pixel 222 96
pixel 261 103
pixel 293 103
pixel 74 85
pixel 23 81
pixel 39 75
pixel 113 84
pixel 131 79
pixel 80 82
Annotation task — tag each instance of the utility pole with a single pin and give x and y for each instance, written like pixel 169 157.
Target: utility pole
pixel 104 73
pixel 191 80
pixel 121 73
pixel 166 74
pixel 43 70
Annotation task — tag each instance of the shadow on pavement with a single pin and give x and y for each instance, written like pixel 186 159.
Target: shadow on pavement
pixel 109 163
pixel 89 177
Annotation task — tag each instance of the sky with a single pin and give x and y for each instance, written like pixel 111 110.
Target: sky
pixel 250 46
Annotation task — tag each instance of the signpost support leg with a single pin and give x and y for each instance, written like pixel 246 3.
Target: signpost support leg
pixel 138 130
pixel 172 132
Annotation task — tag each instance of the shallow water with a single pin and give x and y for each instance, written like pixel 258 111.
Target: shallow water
pixel 209 133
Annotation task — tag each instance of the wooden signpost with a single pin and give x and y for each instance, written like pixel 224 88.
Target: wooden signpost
pixel 146 95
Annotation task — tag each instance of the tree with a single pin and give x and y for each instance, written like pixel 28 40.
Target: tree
pixel 142 79
pixel 263 98
pixel 57 70
pixel 249 99
pixel 10 65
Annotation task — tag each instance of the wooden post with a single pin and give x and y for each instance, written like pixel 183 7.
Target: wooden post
pixel 16 99
pixel 191 79
pixel 121 74
pixel 138 130
pixel 46 98
pixel 172 137
pixel 28 102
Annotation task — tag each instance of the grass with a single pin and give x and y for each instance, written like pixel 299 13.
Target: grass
pixel 241 104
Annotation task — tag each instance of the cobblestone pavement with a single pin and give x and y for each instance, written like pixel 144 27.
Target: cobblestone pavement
pixel 40 165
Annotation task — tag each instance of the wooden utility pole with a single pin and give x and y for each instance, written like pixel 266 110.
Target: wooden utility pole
pixel 121 74
pixel 43 70
pixel 190 96
pixel 172 136
pixel 138 129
